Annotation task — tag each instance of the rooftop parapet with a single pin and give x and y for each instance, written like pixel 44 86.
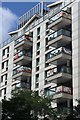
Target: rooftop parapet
pixel 40 9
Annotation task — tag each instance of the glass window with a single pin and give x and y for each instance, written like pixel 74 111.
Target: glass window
pixel 38 46
pixel 38 31
pixel 37 61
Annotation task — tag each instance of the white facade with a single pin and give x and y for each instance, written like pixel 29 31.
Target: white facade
pixel 51 69
pixel 76 49
pixel 6 70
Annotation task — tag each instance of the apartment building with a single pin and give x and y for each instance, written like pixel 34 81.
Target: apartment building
pixel 43 53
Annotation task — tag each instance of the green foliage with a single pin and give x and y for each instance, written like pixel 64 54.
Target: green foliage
pixel 76 111
pixel 75 114
pixel 25 105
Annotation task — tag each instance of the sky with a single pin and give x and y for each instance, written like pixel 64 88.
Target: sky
pixel 9 14
pixel 19 8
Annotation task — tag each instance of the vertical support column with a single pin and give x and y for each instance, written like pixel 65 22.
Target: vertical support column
pixel 76 50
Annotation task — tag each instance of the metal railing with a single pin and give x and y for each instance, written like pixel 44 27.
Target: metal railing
pixel 56 70
pixel 58 15
pixel 24 37
pixel 21 53
pixel 56 90
pixel 57 51
pixel 21 69
pixel 53 35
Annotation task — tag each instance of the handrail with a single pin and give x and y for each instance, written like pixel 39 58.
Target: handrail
pixel 63 69
pixel 55 34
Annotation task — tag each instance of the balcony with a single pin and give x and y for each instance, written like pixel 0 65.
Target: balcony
pixel 59 38
pixel 58 56
pixel 24 41
pixel 60 20
pixel 59 74
pixel 21 71
pixel 20 85
pixel 62 93
pixel 22 57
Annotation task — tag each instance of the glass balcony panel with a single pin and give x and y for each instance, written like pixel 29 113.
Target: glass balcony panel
pixel 49 92
pixel 19 40
pixel 63 69
pixel 22 53
pixel 56 90
pixel 22 85
pixel 63 89
pixel 57 16
pixel 57 52
pixel 58 33
pixel 22 38
pixel 21 69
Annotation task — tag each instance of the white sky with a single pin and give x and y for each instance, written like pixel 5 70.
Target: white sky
pixel 7 22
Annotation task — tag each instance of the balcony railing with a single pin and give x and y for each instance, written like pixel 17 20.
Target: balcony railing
pixel 57 52
pixel 63 89
pixel 58 33
pixel 23 85
pixel 20 85
pixel 22 69
pixel 56 70
pixel 21 53
pixel 60 14
pixel 25 37
pixel 57 90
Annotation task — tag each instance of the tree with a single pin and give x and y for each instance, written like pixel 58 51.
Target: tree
pixel 76 111
pixel 75 114
pixel 26 105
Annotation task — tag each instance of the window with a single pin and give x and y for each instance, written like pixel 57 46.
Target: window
pixel 38 31
pixel 0 93
pixel 37 78
pixel 5 52
pixel 38 53
pixel 38 46
pixel 4 90
pixel 5 64
pixel 37 85
pixel 47 30
pixel 8 49
pixel 37 68
pixel 37 81
pixel 37 61
pixel 6 83
pixel 5 76
pixel 3 79
pixel 46 41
